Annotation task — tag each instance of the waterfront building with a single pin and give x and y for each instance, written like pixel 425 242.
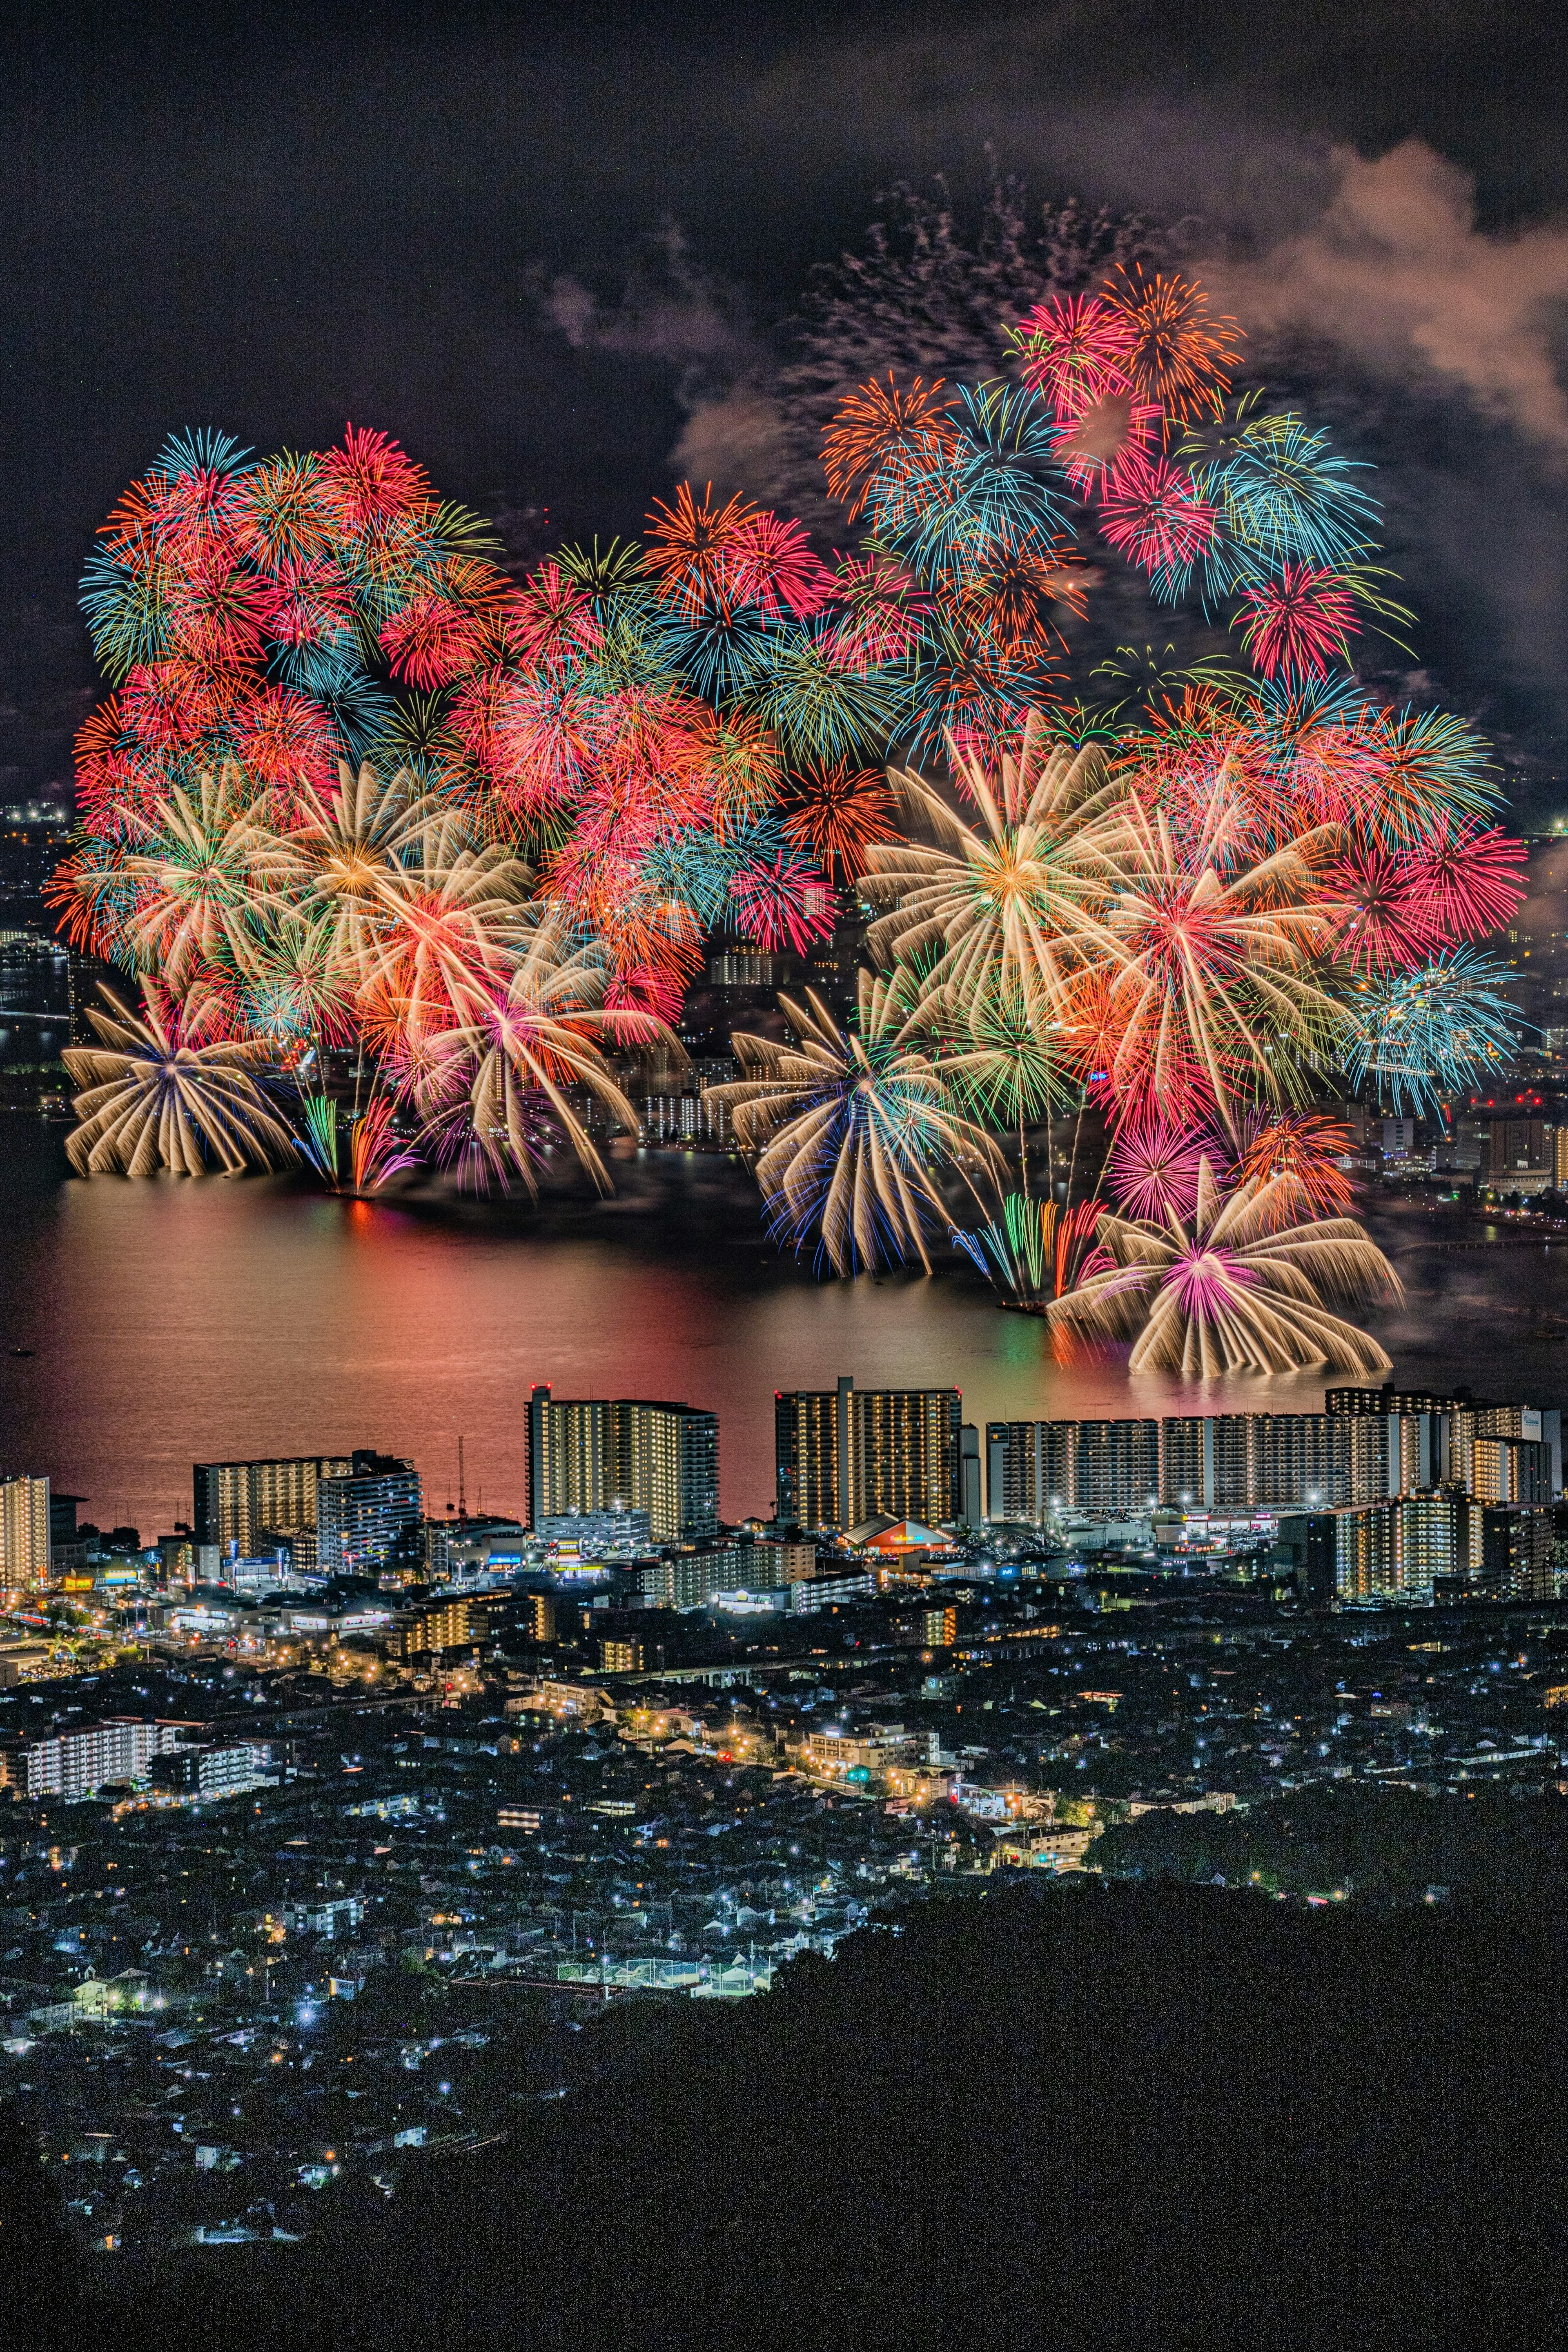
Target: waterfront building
pixel 236 1500
pixel 621 1454
pixel 369 1516
pixel 1189 1461
pixel 846 1456
pixel 1368 1446
pixel 24 1532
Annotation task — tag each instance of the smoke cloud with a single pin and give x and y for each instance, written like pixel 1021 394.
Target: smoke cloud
pixel 1396 272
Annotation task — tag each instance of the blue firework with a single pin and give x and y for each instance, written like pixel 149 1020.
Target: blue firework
pixel 1424 1036
pixel 1283 496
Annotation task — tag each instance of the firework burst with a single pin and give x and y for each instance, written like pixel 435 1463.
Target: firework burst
pixel 1013 905
pixel 1240 1287
pixel 162 1091
pixel 846 1129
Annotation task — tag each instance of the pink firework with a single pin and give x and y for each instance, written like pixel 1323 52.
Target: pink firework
pixel 1471 877
pixel 782 903
pixel 1094 447
pixel 1077 350
pixel 1151 514
pixel 1295 626
pixel 1386 924
pixel 1154 1164
pixel 774 569
pixel 885 612
pixel 554 621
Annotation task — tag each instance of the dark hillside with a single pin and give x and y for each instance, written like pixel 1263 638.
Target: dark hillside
pixel 1097 2116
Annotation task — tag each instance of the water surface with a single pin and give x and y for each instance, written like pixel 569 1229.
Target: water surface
pixel 173 1321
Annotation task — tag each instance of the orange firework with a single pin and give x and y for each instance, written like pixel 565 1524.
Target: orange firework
pixel 881 429
pixel 1001 599
pixel 1296 1156
pixel 840 813
pixel 696 550
pixel 1179 357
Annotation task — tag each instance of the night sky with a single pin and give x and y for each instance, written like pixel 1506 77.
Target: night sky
pixel 278 221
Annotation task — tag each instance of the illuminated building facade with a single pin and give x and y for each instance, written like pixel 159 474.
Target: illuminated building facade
pixel 96 1756
pixel 1366 1446
pixel 1238 1461
pixel 845 1455
pixel 236 1501
pixel 369 1516
pixel 24 1532
pixel 594 1455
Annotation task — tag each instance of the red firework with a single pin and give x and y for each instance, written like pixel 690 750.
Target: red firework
pixel 1077 350
pixel 782 903
pixel 170 704
pixel 840 813
pixel 1386 923
pixel 881 430
pixel 1295 626
pixel 1093 447
pixel 531 732
pixel 118 776
pixel 1472 878
pixel 775 569
pixel 371 481
pixel 217 614
pixel 306 602
pixel 1150 514
pixel 284 739
pixel 431 641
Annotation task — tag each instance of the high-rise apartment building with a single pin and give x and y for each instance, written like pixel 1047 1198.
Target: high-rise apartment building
pixel 1522 1155
pixel 624 1455
pixel 1036 1467
pixel 846 1456
pixel 1509 1470
pixel 369 1516
pixel 1518 1555
pixel 23 1533
pixel 236 1501
pixel 1397 1551
pixel 1238 1461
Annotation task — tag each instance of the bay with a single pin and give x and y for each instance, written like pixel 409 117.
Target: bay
pixel 171 1321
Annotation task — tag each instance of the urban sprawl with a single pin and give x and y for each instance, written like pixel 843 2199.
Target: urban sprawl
pixel 329 1819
